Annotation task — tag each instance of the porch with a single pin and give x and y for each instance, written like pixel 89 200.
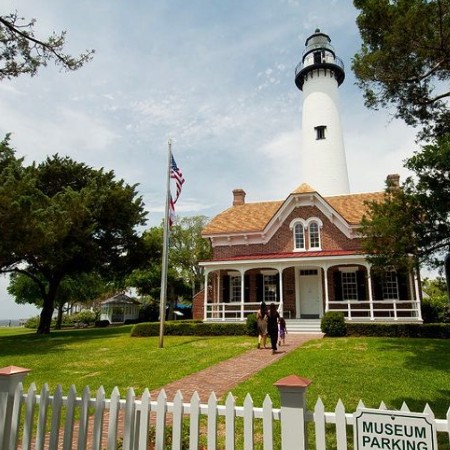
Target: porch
pixel 306 288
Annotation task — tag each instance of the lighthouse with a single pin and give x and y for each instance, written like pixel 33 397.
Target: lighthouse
pixel 323 163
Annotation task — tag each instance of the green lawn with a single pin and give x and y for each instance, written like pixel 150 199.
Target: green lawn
pixel 416 371
pixel 109 357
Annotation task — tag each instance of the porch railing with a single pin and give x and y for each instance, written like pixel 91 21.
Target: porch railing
pixel 385 310
pixel 354 310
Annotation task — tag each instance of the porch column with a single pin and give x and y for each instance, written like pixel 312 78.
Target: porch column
pixel 327 295
pixel 280 279
pixel 369 285
pixel 418 296
pixel 205 297
pixel 242 271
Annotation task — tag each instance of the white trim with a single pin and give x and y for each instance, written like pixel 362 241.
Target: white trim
pixel 269 272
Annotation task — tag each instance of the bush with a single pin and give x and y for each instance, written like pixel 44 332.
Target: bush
pixel 410 330
pixel 32 322
pixel 102 323
pixel 84 316
pixel 333 324
pixel 252 325
pixel 149 312
pixel 189 328
pixel 435 310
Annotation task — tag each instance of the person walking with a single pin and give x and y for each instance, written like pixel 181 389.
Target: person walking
pixel 282 331
pixel 272 326
pixel 261 323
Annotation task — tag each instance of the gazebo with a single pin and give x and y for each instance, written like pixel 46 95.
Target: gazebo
pixel 119 309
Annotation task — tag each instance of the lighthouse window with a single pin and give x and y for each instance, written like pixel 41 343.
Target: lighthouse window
pixel 320 131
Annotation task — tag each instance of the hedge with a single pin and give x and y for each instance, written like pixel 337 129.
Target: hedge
pixel 410 330
pixel 189 328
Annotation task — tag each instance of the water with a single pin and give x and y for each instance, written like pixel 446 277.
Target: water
pixel 10 323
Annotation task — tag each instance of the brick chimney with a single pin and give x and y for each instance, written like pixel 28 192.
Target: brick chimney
pixel 393 181
pixel 238 197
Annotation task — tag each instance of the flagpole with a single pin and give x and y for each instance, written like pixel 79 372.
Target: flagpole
pixel 165 254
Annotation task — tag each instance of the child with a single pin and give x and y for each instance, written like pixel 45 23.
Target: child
pixel 282 331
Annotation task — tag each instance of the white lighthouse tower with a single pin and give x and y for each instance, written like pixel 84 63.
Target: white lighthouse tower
pixel 319 75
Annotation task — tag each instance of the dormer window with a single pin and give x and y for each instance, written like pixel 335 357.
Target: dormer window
pixel 320 132
pixel 314 235
pixel 299 236
pixel 306 234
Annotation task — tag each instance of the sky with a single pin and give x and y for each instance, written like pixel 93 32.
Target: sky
pixel 215 76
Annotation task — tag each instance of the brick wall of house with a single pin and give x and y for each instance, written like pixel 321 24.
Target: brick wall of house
pixel 282 241
pixel 197 305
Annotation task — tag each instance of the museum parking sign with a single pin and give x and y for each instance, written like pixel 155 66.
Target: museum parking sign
pixel 393 430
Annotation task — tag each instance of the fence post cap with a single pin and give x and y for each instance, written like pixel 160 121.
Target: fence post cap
pixel 13 370
pixel 293 381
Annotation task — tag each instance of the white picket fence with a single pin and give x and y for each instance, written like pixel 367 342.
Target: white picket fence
pixel 39 420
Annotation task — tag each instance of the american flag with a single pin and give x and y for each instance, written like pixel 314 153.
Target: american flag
pixel 172 215
pixel 175 174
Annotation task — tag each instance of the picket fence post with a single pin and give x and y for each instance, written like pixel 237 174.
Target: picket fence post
pixel 10 377
pixel 293 411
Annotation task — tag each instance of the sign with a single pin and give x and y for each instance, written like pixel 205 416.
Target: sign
pixel 393 430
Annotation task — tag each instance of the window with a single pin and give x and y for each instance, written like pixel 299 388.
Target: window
pixel 270 288
pixel 349 286
pixel 390 286
pixel 235 288
pixel 314 235
pixel 299 236
pixel 320 132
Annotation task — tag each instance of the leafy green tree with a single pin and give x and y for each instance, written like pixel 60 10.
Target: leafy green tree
pixel 404 60
pixel 147 278
pixel 82 288
pixel 21 52
pixel 413 220
pixel 61 218
pixel 188 248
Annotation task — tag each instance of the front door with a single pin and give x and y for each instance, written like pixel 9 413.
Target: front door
pixel 309 294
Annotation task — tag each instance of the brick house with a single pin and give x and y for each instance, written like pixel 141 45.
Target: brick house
pixel 304 254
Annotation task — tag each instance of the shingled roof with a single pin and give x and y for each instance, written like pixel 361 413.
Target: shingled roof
pixel 254 217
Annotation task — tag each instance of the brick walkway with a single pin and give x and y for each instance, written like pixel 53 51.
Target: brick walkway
pixel 222 377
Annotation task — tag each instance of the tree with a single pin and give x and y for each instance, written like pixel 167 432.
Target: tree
pixel 62 218
pixel 147 278
pixel 413 220
pixel 188 248
pixel 404 60
pixel 21 52
pixel 83 288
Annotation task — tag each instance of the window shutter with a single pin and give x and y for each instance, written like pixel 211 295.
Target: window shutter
pixel 337 280
pixel 377 286
pixel 226 289
pixel 246 288
pixel 278 285
pixel 361 280
pixel 402 279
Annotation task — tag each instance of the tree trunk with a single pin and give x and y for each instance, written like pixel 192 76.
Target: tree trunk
pixel 45 317
pixel 48 308
pixel 59 317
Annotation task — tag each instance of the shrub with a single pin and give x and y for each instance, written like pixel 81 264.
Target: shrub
pixel 410 330
pixel 333 324
pixel 149 312
pixel 435 310
pixel 252 325
pixel 102 323
pixel 84 316
pixel 189 328
pixel 32 322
